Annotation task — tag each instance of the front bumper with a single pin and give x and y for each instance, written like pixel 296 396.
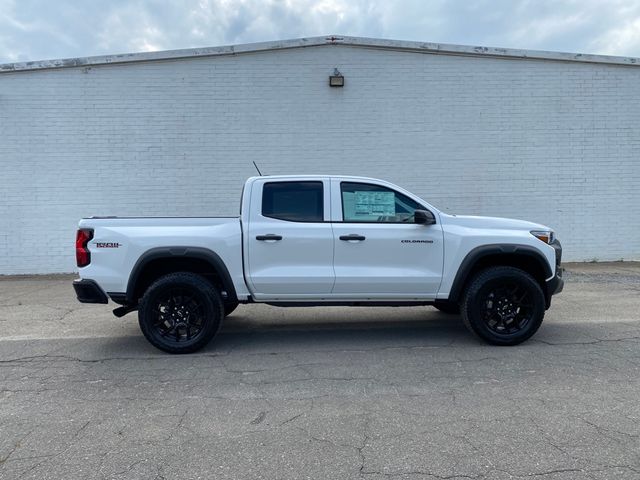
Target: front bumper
pixel 88 291
pixel 556 283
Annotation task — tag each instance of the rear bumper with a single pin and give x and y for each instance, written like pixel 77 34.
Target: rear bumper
pixel 88 291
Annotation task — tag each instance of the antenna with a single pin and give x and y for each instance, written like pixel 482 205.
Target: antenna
pixel 254 164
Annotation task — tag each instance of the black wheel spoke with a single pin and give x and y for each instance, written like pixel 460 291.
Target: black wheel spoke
pixel 504 310
pixel 178 315
pixel 520 299
pixel 158 322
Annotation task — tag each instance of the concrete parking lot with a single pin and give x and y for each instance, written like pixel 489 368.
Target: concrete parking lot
pixel 322 393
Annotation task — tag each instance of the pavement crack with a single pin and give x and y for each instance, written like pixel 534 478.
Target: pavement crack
pixel 607 432
pixel 82 428
pixel 69 358
pixel 129 468
pixel 553 472
pixel 595 341
pixel 182 417
pixel 259 419
pixel 424 473
pixel 8 455
pixel 289 420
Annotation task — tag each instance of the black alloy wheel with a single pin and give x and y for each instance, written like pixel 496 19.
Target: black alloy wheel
pixel 180 312
pixel 507 309
pixel 503 305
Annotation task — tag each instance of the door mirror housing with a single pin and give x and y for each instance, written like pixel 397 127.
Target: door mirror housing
pixel 424 217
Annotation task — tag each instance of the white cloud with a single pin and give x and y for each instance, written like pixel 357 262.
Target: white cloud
pixel 32 29
pixel 622 40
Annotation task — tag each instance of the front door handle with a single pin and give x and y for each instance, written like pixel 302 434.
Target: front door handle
pixel 353 236
pixel 269 236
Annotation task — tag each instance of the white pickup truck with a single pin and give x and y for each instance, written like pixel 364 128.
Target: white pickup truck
pixel 319 240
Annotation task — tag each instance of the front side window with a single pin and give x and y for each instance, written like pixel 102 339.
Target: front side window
pixel 363 202
pixel 293 201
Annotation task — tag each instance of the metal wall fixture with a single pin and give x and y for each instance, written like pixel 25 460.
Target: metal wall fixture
pixel 337 79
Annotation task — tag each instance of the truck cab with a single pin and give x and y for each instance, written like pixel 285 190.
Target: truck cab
pixel 328 238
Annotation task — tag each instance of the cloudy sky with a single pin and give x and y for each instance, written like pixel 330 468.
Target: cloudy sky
pixel 40 29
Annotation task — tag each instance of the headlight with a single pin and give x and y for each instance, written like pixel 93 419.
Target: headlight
pixel 544 235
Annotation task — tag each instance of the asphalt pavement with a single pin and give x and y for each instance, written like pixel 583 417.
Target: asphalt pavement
pixel 322 393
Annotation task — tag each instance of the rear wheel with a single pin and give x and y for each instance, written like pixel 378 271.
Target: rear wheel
pixel 503 306
pixel 180 312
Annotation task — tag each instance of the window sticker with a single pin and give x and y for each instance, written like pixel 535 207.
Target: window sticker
pixel 375 203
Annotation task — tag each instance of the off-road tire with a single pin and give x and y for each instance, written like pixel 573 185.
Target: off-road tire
pixel 180 312
pixel 488 296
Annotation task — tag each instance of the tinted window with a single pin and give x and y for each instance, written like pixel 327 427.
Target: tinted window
pixel 293 201
pixel 362 202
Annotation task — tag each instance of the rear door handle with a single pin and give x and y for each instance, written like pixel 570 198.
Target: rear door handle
pixel 269 236
pixel 353 236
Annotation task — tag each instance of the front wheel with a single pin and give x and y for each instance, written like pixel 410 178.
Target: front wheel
pixel 503 306
pixel 180 312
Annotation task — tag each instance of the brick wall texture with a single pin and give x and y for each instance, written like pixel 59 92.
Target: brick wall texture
pixel 548 141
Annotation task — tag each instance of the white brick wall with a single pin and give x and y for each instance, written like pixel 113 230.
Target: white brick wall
pixel 548 141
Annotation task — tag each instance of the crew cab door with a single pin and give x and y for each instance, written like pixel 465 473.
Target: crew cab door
pixel 289 239
pixel 379 251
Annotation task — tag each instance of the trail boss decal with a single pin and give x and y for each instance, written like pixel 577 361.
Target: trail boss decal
pixel 107 245
pixel 416 241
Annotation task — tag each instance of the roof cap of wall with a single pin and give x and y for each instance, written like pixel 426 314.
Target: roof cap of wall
pixel 374 43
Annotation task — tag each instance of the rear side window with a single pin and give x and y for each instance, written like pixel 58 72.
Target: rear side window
pixel 293 201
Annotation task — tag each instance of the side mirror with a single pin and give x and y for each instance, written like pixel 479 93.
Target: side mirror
pixel 424 217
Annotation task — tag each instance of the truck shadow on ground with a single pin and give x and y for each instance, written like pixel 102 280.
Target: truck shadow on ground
pixel 286 331
pixel 249 334
pixel 243 333
pixel 369 331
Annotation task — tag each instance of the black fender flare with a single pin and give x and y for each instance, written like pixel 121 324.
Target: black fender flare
pixel 470 260
pixel 198 253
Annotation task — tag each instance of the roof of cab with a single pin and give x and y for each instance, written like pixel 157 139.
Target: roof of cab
pixel 315 177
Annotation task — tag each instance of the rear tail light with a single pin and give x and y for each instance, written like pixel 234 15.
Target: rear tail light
pixel 83 255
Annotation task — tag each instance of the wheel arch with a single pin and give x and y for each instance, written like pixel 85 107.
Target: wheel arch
pixel 160 261
pixel 524 257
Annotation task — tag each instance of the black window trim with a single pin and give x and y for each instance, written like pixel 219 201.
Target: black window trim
pixel 288 220
pixel 378 223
